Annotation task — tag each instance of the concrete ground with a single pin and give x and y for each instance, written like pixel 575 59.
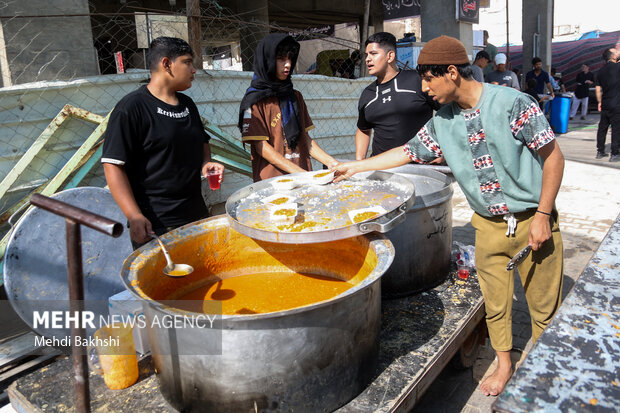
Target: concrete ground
pixel 588 203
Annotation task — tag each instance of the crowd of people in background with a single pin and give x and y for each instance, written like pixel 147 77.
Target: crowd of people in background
pixel 489 66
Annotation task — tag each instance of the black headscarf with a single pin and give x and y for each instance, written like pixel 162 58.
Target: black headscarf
pixel 265 84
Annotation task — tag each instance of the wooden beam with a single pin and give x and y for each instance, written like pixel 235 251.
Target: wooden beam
pixel 364 34
pixel 194 31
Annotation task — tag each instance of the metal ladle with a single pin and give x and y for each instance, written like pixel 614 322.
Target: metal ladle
pixel 172 269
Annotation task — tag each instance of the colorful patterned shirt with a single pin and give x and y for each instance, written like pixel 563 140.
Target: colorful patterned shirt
pixel 491 149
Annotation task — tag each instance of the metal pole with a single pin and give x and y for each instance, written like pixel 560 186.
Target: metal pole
pixel 76 305
pixel 507 35
pixel 74 217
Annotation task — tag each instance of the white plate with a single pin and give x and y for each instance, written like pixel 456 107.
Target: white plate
pixel 321 180
pixel 285 183
pixel 282 218
pixel 270 199
pixel 378 210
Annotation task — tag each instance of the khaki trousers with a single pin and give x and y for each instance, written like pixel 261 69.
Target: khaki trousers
pixel 540 273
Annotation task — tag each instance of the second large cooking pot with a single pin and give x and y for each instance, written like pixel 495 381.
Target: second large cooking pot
pixel 313 358
pixel 423 242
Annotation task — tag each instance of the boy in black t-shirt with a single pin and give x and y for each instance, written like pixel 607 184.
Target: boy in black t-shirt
pixel 394 106
pixel 156 148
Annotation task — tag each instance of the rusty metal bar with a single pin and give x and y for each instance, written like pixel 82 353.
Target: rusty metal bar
pixel 79 215
pixel 74 217
pixel 76 303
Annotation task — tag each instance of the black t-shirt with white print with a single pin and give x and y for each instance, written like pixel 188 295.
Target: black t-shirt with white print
pixel 161 148
pixel 396 110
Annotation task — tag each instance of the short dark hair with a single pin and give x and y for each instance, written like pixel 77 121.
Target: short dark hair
pixel 287 48
pixel 607 54
pixel 531 83
pixel 483 55
pixel 170 47
pixel 536 60
pixel 464 69
pixel 386 40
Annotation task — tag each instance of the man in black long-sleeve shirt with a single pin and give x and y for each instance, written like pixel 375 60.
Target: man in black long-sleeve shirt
pixel 608 96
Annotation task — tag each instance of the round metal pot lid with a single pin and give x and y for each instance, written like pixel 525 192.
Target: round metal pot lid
pixel 35 262
pixel 324 212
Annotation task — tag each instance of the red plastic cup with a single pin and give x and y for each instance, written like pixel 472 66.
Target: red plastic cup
pixel 463 273
pixel 214 179
pixel 463 270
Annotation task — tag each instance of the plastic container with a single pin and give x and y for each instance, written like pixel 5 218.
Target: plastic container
pixel 560 110
pixel 360 215
pixel 284 213
pixel 285 183
pixel 463 270
pixel 214 179
pixel 278 199
pixel 321 177
pixel 114 356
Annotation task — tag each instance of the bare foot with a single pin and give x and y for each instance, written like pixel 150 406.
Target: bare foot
pixel 495 383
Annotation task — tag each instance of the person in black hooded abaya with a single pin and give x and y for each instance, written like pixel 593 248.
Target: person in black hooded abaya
pixel 273 116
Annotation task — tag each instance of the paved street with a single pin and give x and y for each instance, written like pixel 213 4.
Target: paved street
pixel 588 203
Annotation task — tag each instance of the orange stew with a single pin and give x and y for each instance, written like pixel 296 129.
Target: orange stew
pixel 279 201
pixel 285 212
pixel 178 272
pixel 267 292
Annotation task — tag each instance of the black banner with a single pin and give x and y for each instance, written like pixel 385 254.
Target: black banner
pixel 467 11
pixel 400 9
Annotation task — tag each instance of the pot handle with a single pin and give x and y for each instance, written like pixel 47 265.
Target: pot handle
pixel 16 213
pixel 12 221
pixel 393 219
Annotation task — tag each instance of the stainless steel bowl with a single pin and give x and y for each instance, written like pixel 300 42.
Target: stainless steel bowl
pixel 329 202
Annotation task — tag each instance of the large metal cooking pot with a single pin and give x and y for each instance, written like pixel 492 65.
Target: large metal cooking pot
pixel 423 242
pixel 313 358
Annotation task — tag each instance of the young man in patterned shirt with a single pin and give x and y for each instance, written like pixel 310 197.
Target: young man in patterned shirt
pixel 505 157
